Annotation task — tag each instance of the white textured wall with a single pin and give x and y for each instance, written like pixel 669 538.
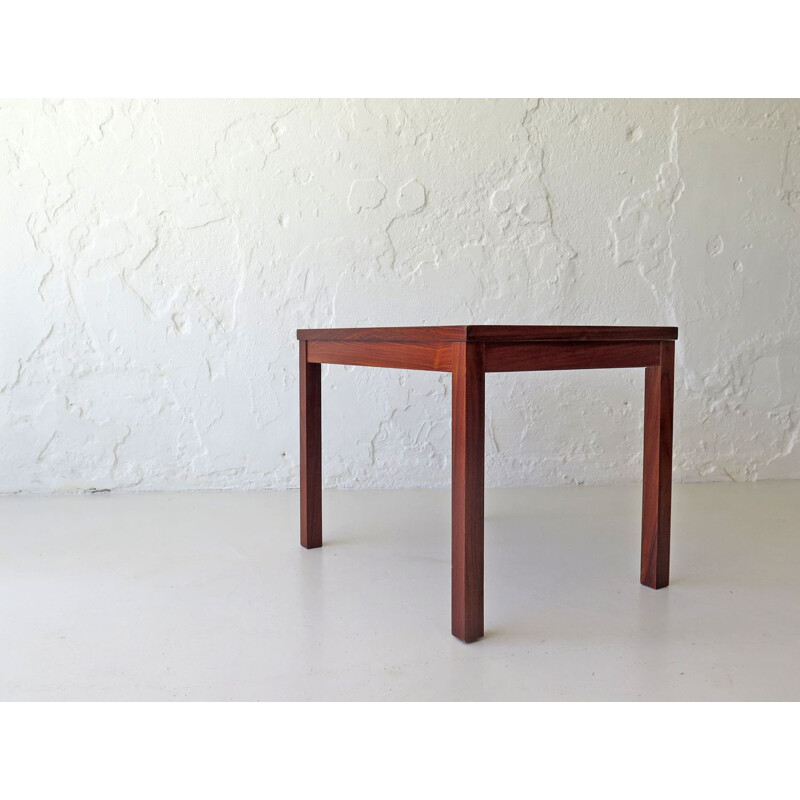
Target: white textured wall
pixel 157 257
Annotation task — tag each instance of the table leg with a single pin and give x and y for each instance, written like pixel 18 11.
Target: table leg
pixel 310 451
pixel 467 513
pixel 657 492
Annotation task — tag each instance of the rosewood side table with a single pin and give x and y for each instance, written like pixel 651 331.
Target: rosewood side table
pixel 469 352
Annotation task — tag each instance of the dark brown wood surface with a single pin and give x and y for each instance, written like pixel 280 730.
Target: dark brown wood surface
pixel 435 333
pixel 657 488
pixel 467 492
pixel 310 451
pixel 528 356
pixel 469 351
pixel 490 333
pixel 396 355
pixel 572 333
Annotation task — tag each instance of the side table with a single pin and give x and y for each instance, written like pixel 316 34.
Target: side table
pixel 469 352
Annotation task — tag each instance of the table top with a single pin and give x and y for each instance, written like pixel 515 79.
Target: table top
pixel 491 333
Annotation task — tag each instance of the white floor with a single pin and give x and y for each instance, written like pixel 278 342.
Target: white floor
pixel 210 597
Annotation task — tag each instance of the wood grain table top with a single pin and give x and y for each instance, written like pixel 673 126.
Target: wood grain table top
pixel 492 333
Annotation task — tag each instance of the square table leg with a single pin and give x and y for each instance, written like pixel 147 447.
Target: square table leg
pixel 657 491
pixel 467 490
pixel 310 451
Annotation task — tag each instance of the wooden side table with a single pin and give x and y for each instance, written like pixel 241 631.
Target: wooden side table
pixel 469 352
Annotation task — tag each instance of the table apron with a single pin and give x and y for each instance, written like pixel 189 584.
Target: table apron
pixel 511 357
pixel 534 356
pixel 395 355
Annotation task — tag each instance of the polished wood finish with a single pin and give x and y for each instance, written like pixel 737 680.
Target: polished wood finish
pixel 570 355
pixel 439 333
pixel 396 355
pixel 567 333
pixel 469 352
pixel 491 333
pixel 310 451
pixel 467 492
pixel 657 487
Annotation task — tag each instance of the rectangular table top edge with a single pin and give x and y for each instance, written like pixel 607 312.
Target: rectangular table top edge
pixel 492 333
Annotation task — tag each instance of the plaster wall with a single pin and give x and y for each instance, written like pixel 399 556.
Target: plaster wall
pixel 156 258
